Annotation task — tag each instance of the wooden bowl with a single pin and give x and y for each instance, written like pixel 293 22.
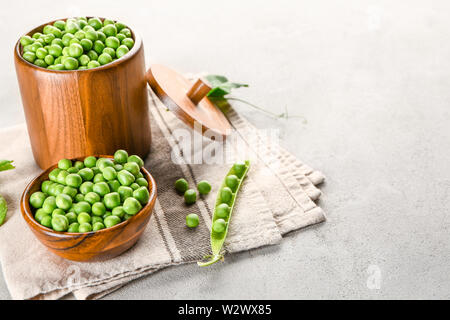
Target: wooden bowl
pixel 91 246
pixel 95 111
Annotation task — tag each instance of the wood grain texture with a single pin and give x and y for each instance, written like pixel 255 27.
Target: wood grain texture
pixel 76 113
pixel 91 246
pixel 173 88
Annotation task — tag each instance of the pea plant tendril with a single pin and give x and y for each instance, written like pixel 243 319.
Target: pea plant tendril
pixel 222 88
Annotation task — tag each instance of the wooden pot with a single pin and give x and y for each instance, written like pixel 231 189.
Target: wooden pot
pixel 90 246
pixel 76 113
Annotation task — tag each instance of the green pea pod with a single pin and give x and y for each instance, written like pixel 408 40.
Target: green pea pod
pixel 3 209
pixel 6 165
pixel 218 238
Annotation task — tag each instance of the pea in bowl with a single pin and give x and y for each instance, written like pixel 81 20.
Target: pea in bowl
pixel 93 245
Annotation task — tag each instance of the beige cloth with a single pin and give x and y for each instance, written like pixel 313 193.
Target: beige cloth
pixel 277 197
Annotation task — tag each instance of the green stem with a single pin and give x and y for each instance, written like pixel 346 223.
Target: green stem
pixel 212 260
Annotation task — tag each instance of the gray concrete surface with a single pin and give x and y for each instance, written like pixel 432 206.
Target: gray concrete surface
pixel 372 78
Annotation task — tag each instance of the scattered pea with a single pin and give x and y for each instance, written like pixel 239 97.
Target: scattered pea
pixel 181 185
pixel 204 187
pixel 190 196
pixel 192 220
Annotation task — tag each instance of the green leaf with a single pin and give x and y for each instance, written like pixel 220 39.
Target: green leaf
pixel 216 80
pixel 6 165
pixel 3 209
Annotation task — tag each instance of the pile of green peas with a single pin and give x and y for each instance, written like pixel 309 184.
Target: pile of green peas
pixel 91 195
pixel 77 44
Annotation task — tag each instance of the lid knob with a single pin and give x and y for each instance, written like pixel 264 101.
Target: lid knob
pixel 198 91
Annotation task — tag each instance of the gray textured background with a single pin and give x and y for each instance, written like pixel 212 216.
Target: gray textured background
pixel 372 78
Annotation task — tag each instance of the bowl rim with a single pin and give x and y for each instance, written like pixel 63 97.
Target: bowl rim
pixel 29 218
pixel 137 46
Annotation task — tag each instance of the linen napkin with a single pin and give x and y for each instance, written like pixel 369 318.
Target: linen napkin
pixel 276 198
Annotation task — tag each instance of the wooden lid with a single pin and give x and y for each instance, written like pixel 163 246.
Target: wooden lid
pixel 187 99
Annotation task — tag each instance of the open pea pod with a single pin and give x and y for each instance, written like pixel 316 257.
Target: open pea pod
pixel 226 199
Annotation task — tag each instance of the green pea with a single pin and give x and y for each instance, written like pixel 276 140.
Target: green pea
pixel 37 199
pixel 64 164
pixel 49 204
pixel 71 26
pixel 53 175
pixel 92 55
pixel 41 53
pixel 142 182
pixel 232 182
pixel 121 37
pixel 40 63
pixel 58 211
pixel 110 51
pixel 142 195
pixel 49 59
pixel 125 192
pixel 75 50
pixel 45 185
pixel 121 51
pixel 125 177
pixel 120 26
pixel 46 221
pixel 71 217
pixel 61 25
pixel 112 200
pixel 219 226
pixel 60 223
pixel 112 42
pixel 118 211
pixel 126 32
pixel 204 187
pixel 99 178
pixel 27 48
pixel 127 216
pixel 111 221
pixel 86 44
pixel 63 201
pixel 82 22
pixel 222 211
pixel 85 227
pixel 74 180
pixel 105 163
pixel 114 185
pixel 26 40
pixel 83 217
pixel 80 34
pixel 226 195
pixel 74 41
pixel 57 61
pixel 192 220
pixel 79 165
pixel 110 30
pixel 98 226
pixel 37 35
pixel 131 206
pixel 55 50
pixel 137 159
pixel 190 196
pixel 66 39
pixel 86 187
pixel 95 23
pixel 84 60
pixel 96 170
pixel 29 56
pixel 56 67
pixel 86 174
pixel 96 219
pixel 101 188
pixel 90 161
pixel 57 189
pixel 132 167
pixel 70 191
pixel 79 197
pixel 57 41
pixel 121 156
pixel 109 173
pixel 40 213
pixel 134 186
pixel 98 209
pixel 128 42
pixel 139 175
pixel 81 206
pixel 72 170
pixel 93 64
pixel 101 36
pixel 92 197
pixel 48 38
pixel 74 227
pixel 98 47
pixel 107 214
pixel 118 167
